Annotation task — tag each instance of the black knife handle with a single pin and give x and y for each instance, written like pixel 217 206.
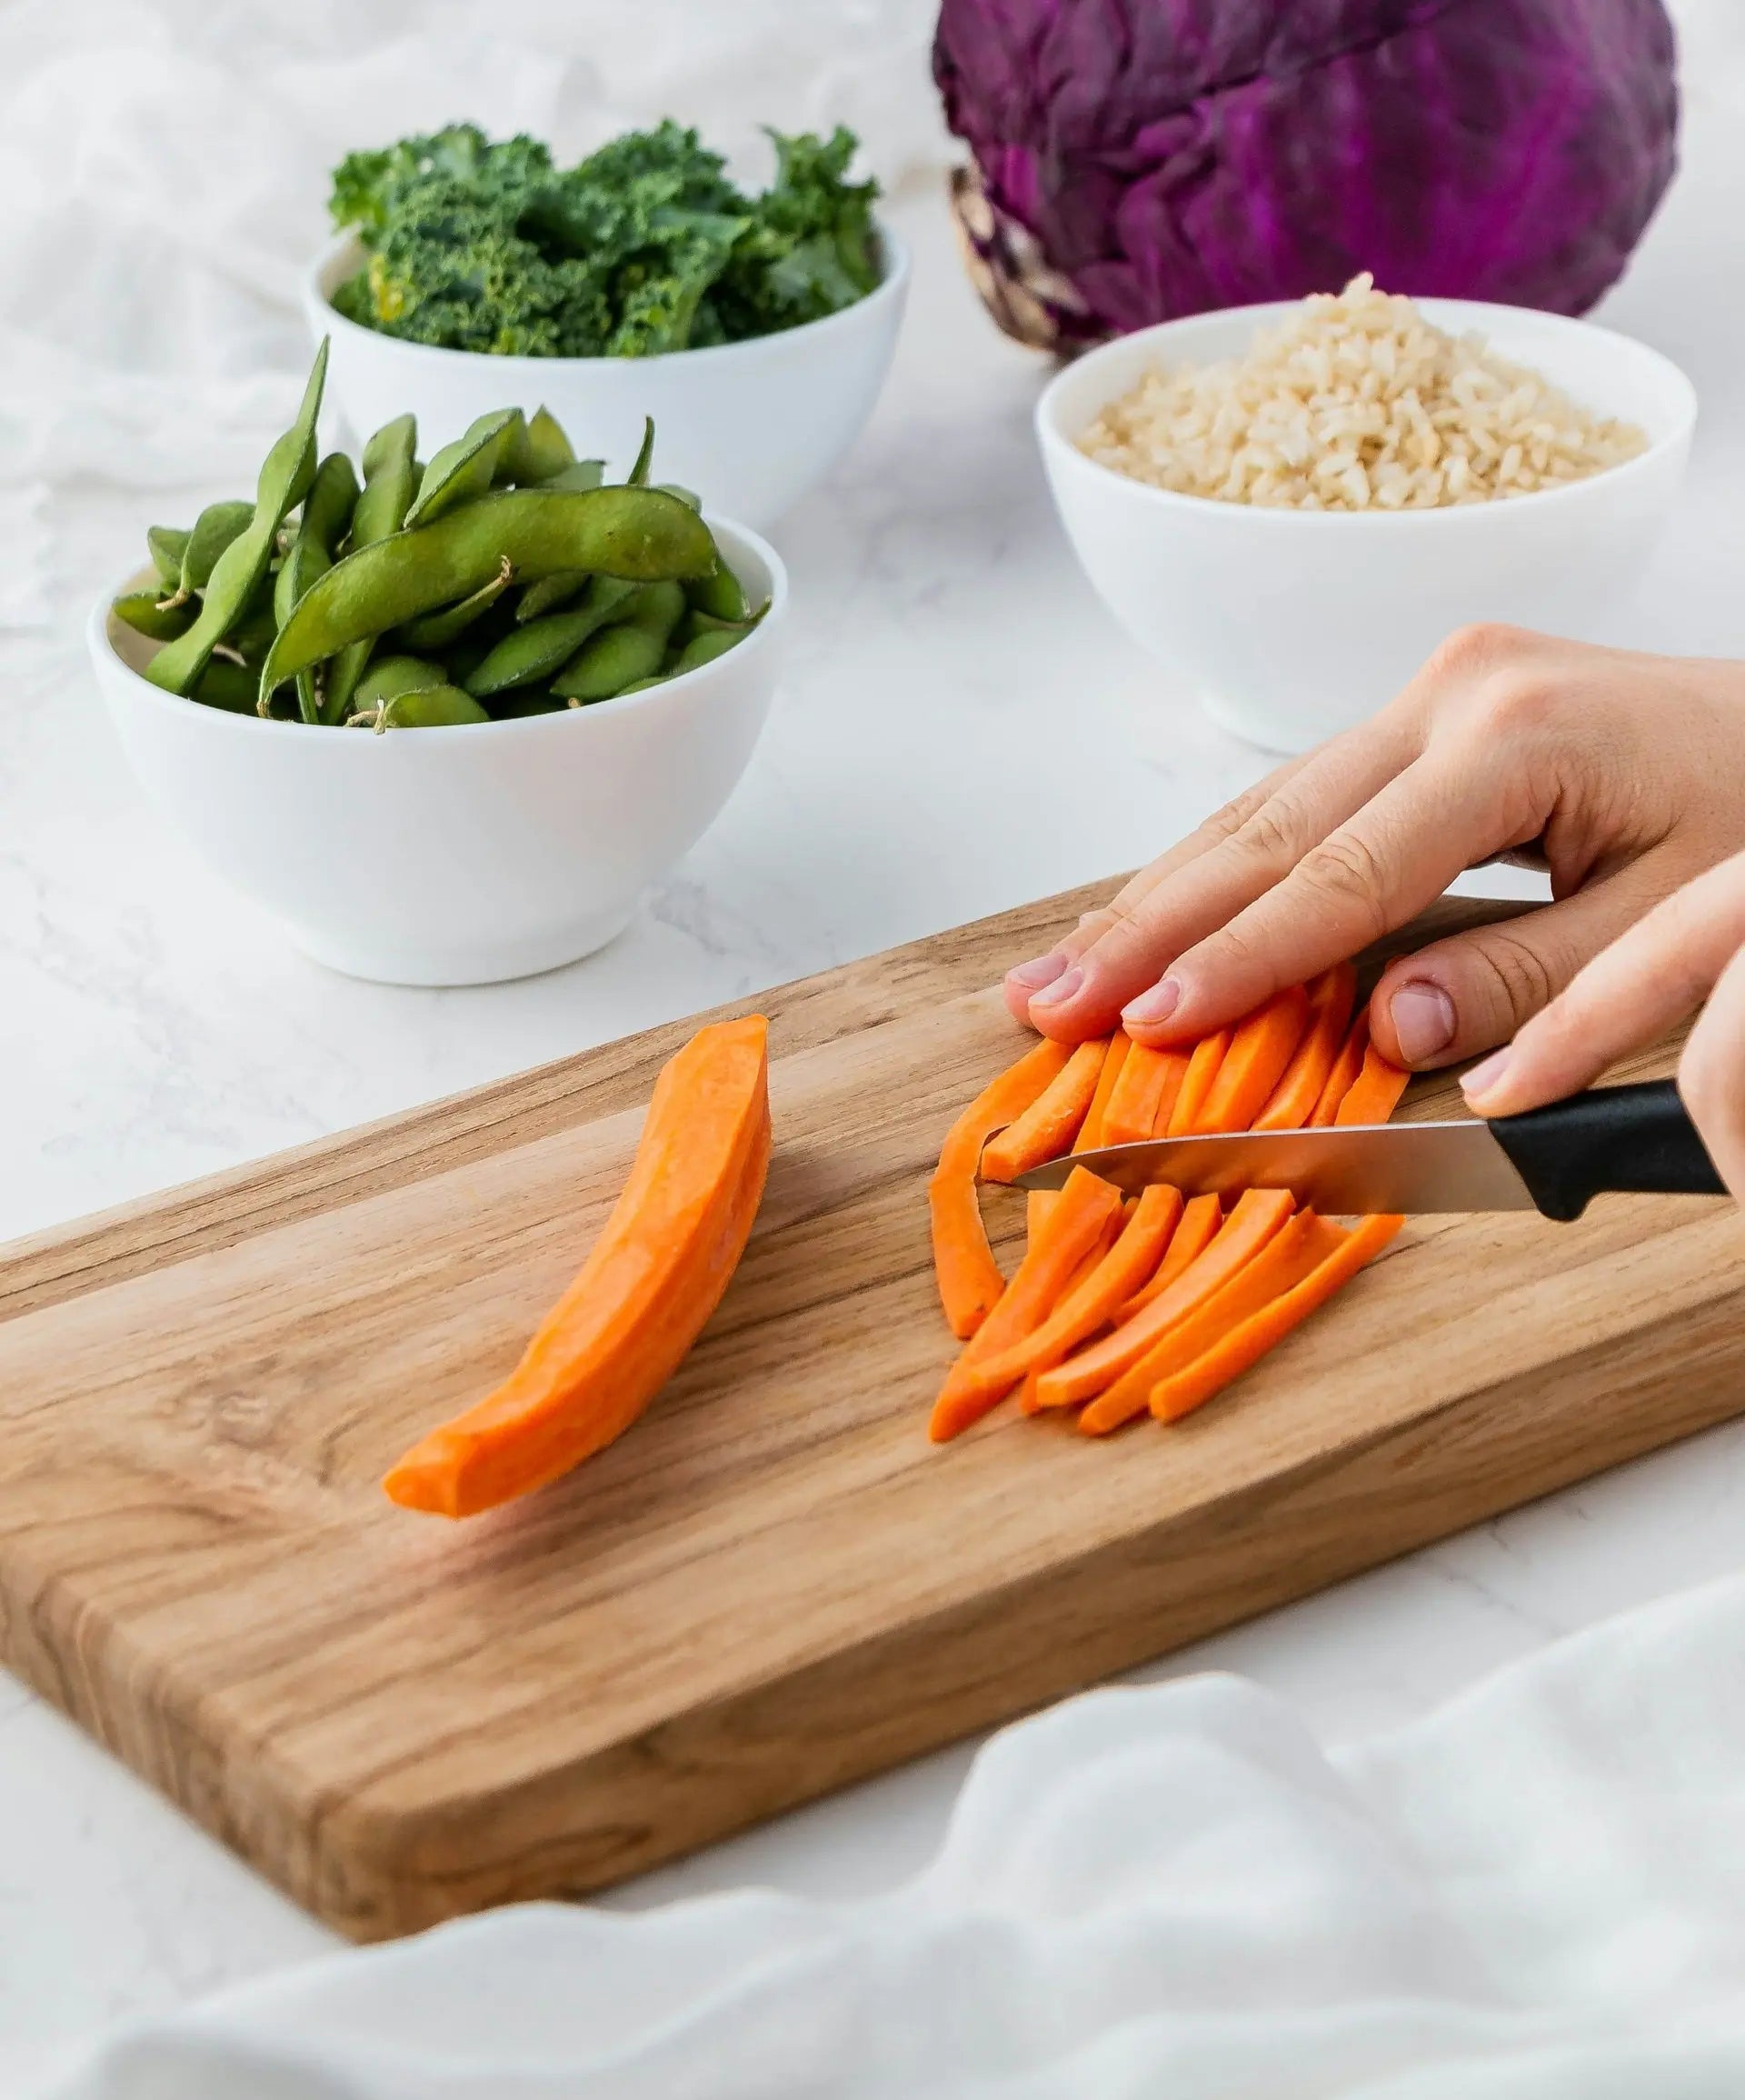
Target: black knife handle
pixel 1637 1138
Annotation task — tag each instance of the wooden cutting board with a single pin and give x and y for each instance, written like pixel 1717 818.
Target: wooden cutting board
pixel 774 1584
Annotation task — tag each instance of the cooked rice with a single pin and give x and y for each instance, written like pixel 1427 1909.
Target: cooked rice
pixel 1356 403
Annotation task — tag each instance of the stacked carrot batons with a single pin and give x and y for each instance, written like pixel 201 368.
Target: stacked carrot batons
pixel 1153 1304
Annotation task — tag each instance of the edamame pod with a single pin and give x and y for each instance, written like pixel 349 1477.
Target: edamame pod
pixel 550 592
pixel 284 476
pixel 158 619
pixel 720 594
pixel 465 468
pixel 604 666
pixel 214 530
pixel 226 686
pixel 702 649
pixel 539 450
pixel 642 684
pixel 167 544
pixel 431 707
pixel 389 676
pixel 437 630
pixel 633 532
pixel 645 455
pixel 535 650
pixel 658 607
pixel 326 512
pixel 391 477
pixel 584 473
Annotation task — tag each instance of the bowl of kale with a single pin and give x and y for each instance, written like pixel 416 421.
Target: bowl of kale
pixel 757 327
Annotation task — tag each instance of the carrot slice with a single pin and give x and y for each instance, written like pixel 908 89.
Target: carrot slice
pixel 968 1276
pixel 1073 1228
pixel 1038 1203
pixel 1091 1299
pixel 1243 1346
pixel 1285 1259
pixel 1261 1047
pixel 1375 1093
pixel 1331 996
pixel 1200 1222
pixel 1150 1082
pixel 1197 1083
pixel 1343 1076
pixel 650 1280
pixel 1259 1213
pixel 1048 1126
pixel 1091 1136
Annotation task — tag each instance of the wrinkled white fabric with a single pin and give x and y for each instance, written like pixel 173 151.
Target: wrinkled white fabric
pixel 1538 1894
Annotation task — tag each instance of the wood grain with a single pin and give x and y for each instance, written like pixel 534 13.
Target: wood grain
pixel 774 1584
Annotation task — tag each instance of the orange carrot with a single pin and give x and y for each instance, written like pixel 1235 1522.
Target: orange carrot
pixel 1375 1094
pixel 1091 1299
pixel 1259 1213
pixel 1197 1083
pixel 1150 1083
pixel 1073 1228
pixel 1285 1259
pixel 1243 1346
pixel 969 1277
pixel 1343 1076
pixel 1199 1222
pixel 1331 999
pixel 1261 1047
pixel 1090 1130
pixel 1048 1126
pixel 650 1280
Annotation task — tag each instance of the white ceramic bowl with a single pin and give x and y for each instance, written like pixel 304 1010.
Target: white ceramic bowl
pixel 752 427
pixel 1291 624
pixel 461 855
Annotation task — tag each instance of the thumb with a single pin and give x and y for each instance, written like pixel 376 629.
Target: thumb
pixel 1461 996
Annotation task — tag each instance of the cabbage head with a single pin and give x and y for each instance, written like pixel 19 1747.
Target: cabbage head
pixel 1140 159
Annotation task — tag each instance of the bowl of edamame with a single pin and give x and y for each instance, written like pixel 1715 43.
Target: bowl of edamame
pixel 757 330
pixel 446 721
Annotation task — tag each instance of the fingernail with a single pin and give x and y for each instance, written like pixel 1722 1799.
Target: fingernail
pixel 1485 1077
pixel 1060 991
pixel 1154 1006
pixel 1032 977
pixel 1424 1019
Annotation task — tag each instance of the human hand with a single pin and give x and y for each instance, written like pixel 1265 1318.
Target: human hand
pixel 1689 948
pixel 1626 772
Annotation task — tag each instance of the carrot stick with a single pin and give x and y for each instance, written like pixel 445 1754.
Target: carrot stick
pixel 1199 1222
pixel 1331 999
pixel 1197 1083
pixel 1150 1082
pixel 1088 1302
pixel 650 1280
pixel 1285 1259
pixel 1343 1076
pixel 1090 1131
pixel 1259 1213
pixel 1073 1228
pixel 1196 1383
pixel 1048 1126
pixel 1038 1203
pixel 1261 1047
pixel 1375 1094
pixel 969 1277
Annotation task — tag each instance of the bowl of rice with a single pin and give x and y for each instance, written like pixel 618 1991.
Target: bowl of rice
pixel 1293 505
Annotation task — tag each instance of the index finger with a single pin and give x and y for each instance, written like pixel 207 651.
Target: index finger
pixel 1366 878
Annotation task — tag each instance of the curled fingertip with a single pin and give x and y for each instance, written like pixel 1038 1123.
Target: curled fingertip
pixel 1154 1006
pixel 1043 971
pixel 1486 1078
pixel 1060 991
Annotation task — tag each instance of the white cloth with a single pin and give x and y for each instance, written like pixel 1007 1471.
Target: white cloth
pixel 1538 1894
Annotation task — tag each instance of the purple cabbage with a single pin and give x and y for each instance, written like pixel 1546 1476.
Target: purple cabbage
pixel 1141 159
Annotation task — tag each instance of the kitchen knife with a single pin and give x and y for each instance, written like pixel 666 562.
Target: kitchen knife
pixel 1554 1160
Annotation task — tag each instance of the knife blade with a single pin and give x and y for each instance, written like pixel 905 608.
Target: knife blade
pixel 1553 1160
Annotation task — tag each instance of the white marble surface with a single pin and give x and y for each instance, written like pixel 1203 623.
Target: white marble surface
pixel 962 730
